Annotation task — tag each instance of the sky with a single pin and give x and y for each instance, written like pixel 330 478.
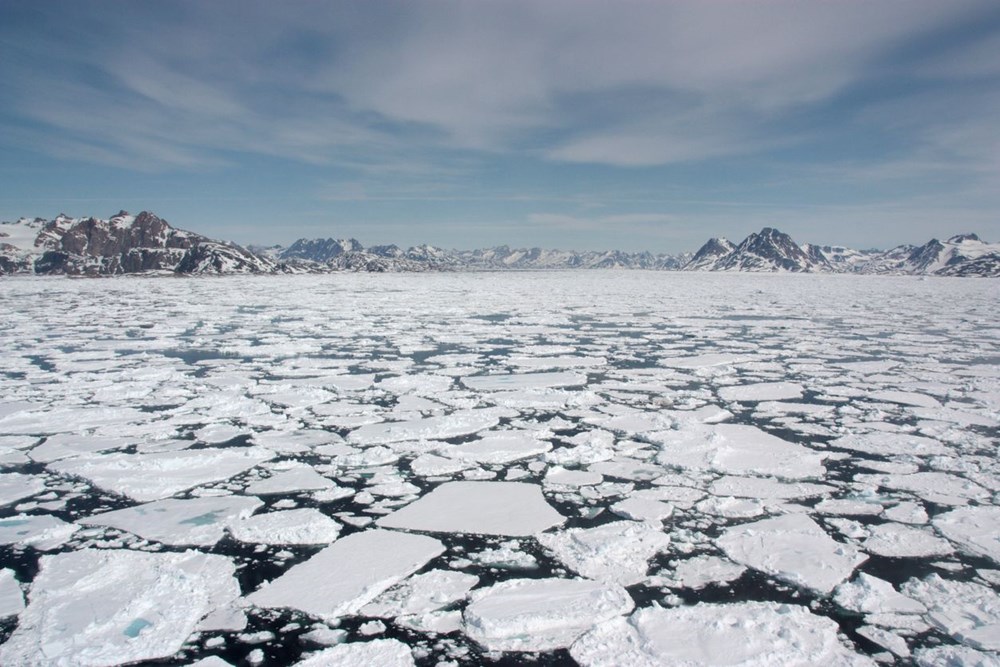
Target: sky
pixel 559 123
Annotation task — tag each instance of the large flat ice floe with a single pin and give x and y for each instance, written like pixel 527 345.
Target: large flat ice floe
pixel 179 522
pixel 380 652
pixel 749 634
pixel 737 449
pixel 524 381
pixel 973 529
pixel 486 508
pixel 541 614
pixel 456 424
pixel 146 477
pixel 617 552
pixel 349 574
pixel 111 607
pixel 792 548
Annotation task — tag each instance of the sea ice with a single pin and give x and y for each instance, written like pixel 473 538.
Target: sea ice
pixel 485 508
pixel 179 522
pixel 11 597
pixel 616 552
pixel 642 509
pixel 700 571
pixel 974 529
pixel 524 381
pixel 792 548
pixel 738 449
pixel 540 614
pixel 870 595
pixel 895 540
pixel 499 447
pixel 764 391
pixel 749 634
pixel 15 486
pixel 955 656
pixel 967 611
pixel 145 477
pixel 298 526
pixel 421 593
pixel 348 574
pixel 295 480
pixel 111 607
pixel 378 652
pixel 41 531
pixel 460 423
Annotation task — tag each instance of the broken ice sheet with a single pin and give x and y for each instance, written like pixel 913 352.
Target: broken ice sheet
pixel 967 611
pixel 348 574
pixel 540 614
pixel 109 607
pixel 743 633
pixel 11 597
pixel 378 652
pixel 294 480
pixel 974 529
pixel 456 424
pixel 792 548
pixel 499 447
pixel 15 486
pixel 484 508
pixel 145 477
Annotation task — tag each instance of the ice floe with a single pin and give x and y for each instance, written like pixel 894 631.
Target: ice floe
pixel 381 652
pixel 109 607
pixel 486 508
pixel 540 614
pixel 348 574
pixel 41 531
pixel 11 596
pixel 974 529
pixel 792 548
pixel 617 552
pixel 298 526
pixel 967 611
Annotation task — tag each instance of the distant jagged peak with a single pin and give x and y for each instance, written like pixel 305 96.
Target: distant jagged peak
pixel 965 238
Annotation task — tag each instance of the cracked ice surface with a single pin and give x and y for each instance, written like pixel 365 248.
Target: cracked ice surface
pixel 827 440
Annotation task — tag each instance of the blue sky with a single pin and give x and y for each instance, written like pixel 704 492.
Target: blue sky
pixel 571 124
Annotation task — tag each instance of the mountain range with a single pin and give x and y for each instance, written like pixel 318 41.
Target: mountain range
pixel 145 243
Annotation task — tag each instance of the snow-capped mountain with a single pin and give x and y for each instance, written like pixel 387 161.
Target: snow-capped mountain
pixel 773 251
pixel 126 243
pixel 769 250
pixel 123 243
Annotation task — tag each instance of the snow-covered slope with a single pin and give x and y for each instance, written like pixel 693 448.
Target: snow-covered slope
pixel 768 250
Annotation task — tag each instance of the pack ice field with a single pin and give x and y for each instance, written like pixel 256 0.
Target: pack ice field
pixel 593 468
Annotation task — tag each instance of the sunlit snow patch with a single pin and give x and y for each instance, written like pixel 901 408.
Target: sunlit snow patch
pixel 541 614
pixel 108 607
pixel 349 574
pixel 146 477
pixel 485 508
pixel 750 634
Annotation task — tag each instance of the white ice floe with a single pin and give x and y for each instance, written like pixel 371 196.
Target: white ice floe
pixel 890 641
pixel 907 512
pixel 499 447
pixel 41 531
pixel 15 486
pixel 560 476
pixel 764 488
pixel 295 480
pixel 111 607
pixel 883 443
pixel 66 445
pixel 146 477
pixel 507 556
pixel 642 509
pixel 617 552
pixel 380 652
pixel 540 614
pixel 870 595
pixel 763 391
pixel 421 593
pixel 700 571
pixel 936 487
pixel 11 597
pixel 954 656
pixel 485 508
pixel 748 634
pixel 967 611
pixel 459 423
pixel 906 398
pixel 974 529
pixel 179 522
pixel 898 541
pixel 738 449
pixel 299 526
pixel 431 465
pixel 848 507
pixel 524 381
pixel 348 574
pixel 792 548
